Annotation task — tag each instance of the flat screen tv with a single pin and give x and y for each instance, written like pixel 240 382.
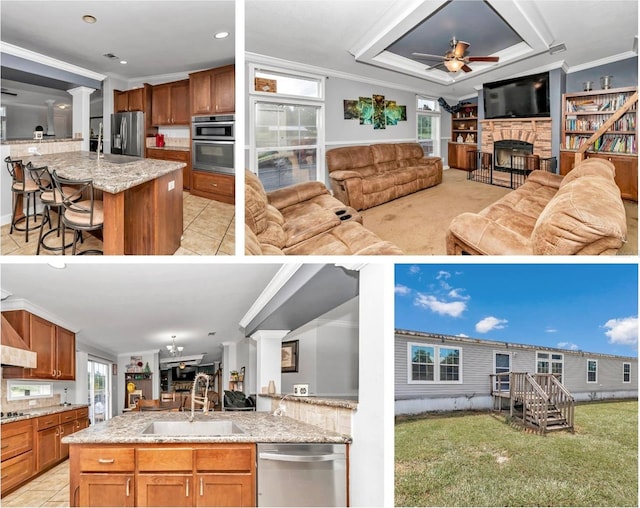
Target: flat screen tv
pixel 523 97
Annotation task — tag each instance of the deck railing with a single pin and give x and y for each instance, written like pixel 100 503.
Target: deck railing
pixel 558 395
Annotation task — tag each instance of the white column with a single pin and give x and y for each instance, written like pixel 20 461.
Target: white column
pixel 229 360
pixel 372 434
pixel 81 114
pixel 269 360
pixel 50 125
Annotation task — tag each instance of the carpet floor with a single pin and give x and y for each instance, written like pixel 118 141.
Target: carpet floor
pixel 418 223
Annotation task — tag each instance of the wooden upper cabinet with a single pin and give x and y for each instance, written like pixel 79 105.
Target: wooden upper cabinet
pixel 129 100
pixel 213 91
pixel 170 104
pixel 43 342
pixel 55 347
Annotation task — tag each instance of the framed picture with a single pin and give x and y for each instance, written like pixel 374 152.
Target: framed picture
pixel 290 356
pixel 134 397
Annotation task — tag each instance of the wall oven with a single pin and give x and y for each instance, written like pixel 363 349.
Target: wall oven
pixel 213 140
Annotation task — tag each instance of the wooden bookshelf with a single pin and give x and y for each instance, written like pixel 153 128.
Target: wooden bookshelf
pixel 464 136
pixel 603 124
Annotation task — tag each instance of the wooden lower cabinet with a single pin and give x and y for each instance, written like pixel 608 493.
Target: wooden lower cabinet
pixel 626 170
pixel 166 475
pixel 48 445
pixel 458 155
pixel 99 489
pixel 214 186
pixel 18 461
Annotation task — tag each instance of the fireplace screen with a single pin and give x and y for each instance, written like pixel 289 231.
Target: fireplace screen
pixel 512 154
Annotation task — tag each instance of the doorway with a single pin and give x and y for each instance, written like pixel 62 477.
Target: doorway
pixel 502 365
pixel 99 391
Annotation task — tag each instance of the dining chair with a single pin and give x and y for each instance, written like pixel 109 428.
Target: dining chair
pixel 82 212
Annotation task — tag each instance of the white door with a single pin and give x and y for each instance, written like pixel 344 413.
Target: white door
pixel 502 365
pixel 99 379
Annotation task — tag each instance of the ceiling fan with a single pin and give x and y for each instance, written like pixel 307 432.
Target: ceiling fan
pixel 454 59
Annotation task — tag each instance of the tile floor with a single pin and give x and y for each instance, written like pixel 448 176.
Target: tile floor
pixel 209 230
pixel 49 489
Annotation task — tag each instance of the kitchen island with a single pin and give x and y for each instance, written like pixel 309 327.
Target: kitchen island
pixel 122 462
pixel 142 198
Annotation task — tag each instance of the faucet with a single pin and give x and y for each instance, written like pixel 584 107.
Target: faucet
pixel 203 401
pixel 280 410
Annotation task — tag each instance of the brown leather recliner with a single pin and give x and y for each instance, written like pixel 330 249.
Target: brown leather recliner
pixel 367 176
pixel 580 213
pixel 305 219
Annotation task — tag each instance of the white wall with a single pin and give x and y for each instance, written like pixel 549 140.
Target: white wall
pixel 22 120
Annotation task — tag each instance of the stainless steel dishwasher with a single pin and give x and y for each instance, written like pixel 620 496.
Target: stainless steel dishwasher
pixel 302 474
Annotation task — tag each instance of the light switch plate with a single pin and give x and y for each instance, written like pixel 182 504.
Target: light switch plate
pixel 172 184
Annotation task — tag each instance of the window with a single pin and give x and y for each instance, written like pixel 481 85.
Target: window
pixel 434 364
pixel 286 135
pixel 24 390
pixel 626 373
pixel 428 125
pixel 550 363
pixel 592 371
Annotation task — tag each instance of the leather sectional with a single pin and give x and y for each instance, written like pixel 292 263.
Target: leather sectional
pixel 366 176
pixel 305 219
pixel 580 213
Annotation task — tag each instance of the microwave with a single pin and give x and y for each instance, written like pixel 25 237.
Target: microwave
pixel 213 128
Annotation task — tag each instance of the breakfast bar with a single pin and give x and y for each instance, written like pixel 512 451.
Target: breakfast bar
pixel 142 198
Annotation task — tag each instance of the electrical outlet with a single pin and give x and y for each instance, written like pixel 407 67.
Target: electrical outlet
pixel 33 150
pixel 172 184
pixel 32 402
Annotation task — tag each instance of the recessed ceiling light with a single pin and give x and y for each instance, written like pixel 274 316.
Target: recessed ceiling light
pixel 88 18
pixel 59 265
pixel 221 35
pixel 123 62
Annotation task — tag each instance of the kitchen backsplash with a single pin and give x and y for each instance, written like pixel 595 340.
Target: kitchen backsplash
pixel 24 405
pixel 169 141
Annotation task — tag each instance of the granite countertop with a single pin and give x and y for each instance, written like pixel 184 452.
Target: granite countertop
pixel 43 411
pixel 112 174
pixel 317 401
pixel 259 427
pixel 26 141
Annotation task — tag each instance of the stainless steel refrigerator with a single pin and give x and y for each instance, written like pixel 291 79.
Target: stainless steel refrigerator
pixel 127 133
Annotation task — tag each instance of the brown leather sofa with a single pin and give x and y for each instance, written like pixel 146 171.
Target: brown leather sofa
pixel 580 213
pixel 305 219
pixel 366 176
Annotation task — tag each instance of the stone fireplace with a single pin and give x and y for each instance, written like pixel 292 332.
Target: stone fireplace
pixel 534 131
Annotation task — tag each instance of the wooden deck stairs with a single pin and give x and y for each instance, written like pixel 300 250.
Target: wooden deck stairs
pixel 536 401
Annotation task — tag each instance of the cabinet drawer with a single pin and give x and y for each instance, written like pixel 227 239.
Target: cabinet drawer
pixel 231 458
pixel 107 459
pixel 165 459
pixel 17 438
pixel 213 183
pixel 155 154
pixel 46 422
pixel 67 416
pixel 176 155
pixel 16 470
pixel 82 413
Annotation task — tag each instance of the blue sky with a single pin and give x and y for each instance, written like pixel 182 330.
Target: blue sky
pixel 588 307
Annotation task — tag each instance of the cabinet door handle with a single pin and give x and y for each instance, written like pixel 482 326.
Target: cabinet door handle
pixel 5 446
pixel 128 486
pixel 106 461
pixel 201 486
pixel 187 492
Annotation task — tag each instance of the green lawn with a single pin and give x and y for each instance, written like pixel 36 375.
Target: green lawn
pixel 476 459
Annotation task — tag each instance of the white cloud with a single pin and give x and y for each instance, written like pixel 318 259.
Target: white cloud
pixel 443 275
pixel 402 290
pixel 414 269
pixel 453 309
pixel 455 293
pixel 568 345
pixel 622 331
pixel 462 335
pixel 490 323
pixel 551 330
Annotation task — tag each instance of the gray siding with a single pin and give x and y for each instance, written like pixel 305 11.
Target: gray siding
pixel 477 358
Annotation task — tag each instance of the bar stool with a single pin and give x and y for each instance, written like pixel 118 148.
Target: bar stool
pixel 80 214
pixel 22 186
pixel 50 199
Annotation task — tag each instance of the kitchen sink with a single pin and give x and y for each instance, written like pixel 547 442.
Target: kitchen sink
pixel 197 428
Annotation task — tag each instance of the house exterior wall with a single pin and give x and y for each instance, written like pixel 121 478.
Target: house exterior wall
pixel 477 358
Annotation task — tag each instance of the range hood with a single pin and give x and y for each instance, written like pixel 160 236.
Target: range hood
pixel 15 352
